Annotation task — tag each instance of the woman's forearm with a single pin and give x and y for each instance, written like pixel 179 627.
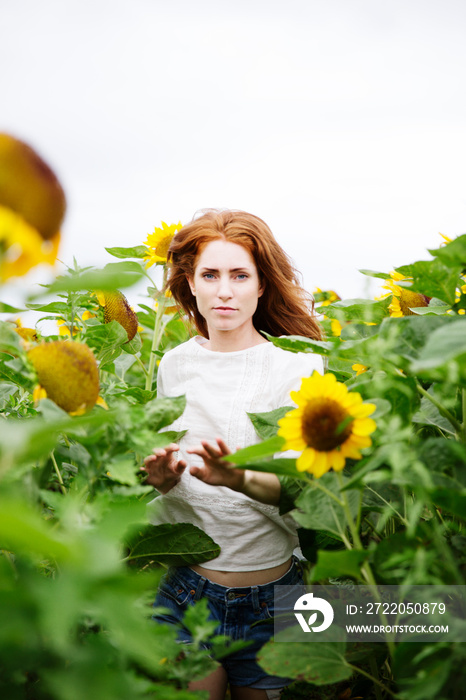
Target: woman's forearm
pixel 260 486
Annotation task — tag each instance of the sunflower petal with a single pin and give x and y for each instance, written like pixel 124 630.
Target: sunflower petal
pixel 306 460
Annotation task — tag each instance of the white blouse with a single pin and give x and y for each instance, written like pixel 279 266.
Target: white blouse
pixel 221 388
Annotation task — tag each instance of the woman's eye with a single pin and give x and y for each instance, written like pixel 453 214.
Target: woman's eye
pixel 242 276
pixel 208 275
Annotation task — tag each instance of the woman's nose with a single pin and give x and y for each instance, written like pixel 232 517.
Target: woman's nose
pixel 224 289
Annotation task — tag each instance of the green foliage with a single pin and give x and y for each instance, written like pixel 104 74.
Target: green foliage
pixel 317 663
pixel 80 562
pixel 175 545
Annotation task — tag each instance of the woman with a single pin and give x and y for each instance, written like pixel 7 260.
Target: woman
pixel 233 280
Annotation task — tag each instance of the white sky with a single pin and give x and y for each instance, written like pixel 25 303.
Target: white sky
pixel 340 122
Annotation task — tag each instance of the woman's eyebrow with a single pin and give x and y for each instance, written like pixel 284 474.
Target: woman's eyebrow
pixel 233 269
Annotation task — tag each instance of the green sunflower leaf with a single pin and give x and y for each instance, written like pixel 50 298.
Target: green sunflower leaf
pixel 8 309
pixel 139 251
pixel 365 310
pixel 266 424
pixel 162 412
pixel 298 343
pixel 321 663
pixel 319 510
pixel 341 563
pixel 372 273
pixel 432 278
pixel 56 307
pixel 280 467
pixel 112 277
pixel 181 544
pixel 443 358
pixel 452 254
pixel 257 452
pixel 9 339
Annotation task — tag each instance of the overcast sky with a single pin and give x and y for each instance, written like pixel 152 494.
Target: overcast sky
pixel 342 123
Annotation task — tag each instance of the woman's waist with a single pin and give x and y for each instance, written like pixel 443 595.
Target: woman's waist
pixel 240 579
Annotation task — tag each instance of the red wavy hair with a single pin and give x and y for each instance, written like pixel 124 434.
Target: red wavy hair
pixel 284 308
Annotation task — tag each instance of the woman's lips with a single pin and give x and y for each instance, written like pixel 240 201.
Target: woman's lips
pixel 224 310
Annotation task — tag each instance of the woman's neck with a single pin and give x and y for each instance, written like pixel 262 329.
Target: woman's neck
pixel 228 341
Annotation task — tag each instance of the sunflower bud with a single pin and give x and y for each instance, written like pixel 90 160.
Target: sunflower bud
pixel 117 309
pixel 68 372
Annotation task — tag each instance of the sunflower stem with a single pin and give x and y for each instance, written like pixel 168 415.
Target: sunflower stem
pixel 463 431
pixel 7 555
pixel 72 315
pixel 349 518
pixel 57 472
pixel 441 408
pixel 374 680
pixel 375 673
pixel 366 569
pixel 157 333
pixel 141 365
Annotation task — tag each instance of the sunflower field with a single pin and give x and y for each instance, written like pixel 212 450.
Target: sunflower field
pixel 378 490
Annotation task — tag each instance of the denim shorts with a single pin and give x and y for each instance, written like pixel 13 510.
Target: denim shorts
pixel 235 610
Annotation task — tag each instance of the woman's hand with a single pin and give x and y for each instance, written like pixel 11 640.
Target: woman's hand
pixel 216 471
pixel 260 486
pixel 163 469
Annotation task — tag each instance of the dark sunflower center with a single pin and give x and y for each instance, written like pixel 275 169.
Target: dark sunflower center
pixel 163 246
pixel 412 300
pixel 326 424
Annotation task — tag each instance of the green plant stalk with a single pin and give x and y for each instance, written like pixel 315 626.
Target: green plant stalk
pixel 141 365
pixel 463 431
pixel 374 680
pixel 72 315
pixel 349 518
pixel 366 569
pixel 157 334
pixel 445 554
pixel 5 553
pixel 57 472
pixel 375 673
pixel 441 408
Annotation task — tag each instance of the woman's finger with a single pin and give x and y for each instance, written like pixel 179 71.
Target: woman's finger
pixel 225 450
pixel 199 451
pixel 210 449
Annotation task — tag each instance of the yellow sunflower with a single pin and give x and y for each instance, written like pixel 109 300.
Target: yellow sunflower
pixel 21 246
pixel 158 243
pixel 170 307
pixel 32 207
pixel 325 298
pixel 64 330
pixel 336 327
pixel 27 335
pixel 403 300
pixel 329 425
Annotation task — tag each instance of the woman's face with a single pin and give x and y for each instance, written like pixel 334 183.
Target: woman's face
pixel 226 286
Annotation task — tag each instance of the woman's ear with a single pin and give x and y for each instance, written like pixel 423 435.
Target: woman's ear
pixel 191 285
pixel 261 289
